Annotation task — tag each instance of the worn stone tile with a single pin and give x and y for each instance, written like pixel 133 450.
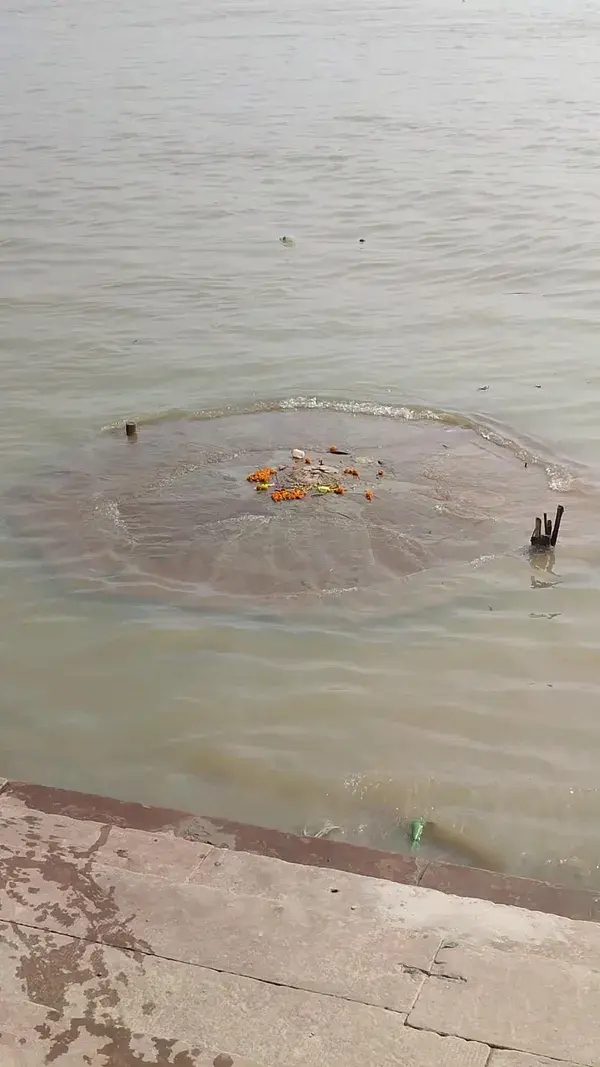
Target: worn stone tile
pixel 225 1060
pixel 23 830
pixel 505 1058
pixel 318 852
pixel 519 892
pixel 161 855
pixel 31 1058
pixel 539 1005
pixel 287 941
pixel 479 923
pixel 109 1005
pixel 87 807
pixel 314 851
pixel 274 879
pixel 158 855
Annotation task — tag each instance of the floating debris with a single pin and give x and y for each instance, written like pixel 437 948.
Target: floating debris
pixel 288 494
pixel 287 240
pixel 542 541
pixel 131 430
pixel 261 475
pixel 337 451
pixel 353 471
pixel 416 832
pixel 328 828
pixel 183 486
pixel 297 453
pixel 369 494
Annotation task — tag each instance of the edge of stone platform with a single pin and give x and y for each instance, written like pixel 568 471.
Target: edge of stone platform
pixel 317 852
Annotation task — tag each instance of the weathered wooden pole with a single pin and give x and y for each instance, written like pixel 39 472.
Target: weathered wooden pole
pixel 557 521
pixel 541 542
pixel 131 430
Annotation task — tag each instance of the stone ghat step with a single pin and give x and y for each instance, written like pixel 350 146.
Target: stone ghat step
pixel 123 946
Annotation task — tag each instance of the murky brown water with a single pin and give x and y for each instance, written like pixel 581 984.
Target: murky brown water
pixel 152 157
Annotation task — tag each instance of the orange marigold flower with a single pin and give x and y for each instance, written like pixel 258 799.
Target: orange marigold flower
pixel 307 459
pixel 369 494
pixel 261 475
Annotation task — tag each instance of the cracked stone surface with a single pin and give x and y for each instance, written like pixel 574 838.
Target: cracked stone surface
pixel 545 1005
pixel 504 1058
pixel 121 947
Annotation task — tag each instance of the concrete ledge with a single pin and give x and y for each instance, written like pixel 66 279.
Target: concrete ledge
pixel 316 852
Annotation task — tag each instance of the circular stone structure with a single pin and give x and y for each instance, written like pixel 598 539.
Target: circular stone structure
pixel 169 514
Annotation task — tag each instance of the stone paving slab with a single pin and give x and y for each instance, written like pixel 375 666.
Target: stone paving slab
pixel 31 1058
pixel 504 1058
pixel 98 1002
pixel 507 889
pixel 160 855
pixel 530 1004
pixel 314 852
pixel 327 949
pixel 121 946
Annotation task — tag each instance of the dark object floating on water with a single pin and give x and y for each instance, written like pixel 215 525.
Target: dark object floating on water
pixel 541 542
pixel 131 430
pixel 361 240
pixel 175 520
pixel 482 388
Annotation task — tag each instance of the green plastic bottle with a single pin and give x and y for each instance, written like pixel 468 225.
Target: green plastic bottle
pixel 416 832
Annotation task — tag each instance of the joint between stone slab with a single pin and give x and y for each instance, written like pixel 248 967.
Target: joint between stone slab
pixel 133 952
pixel 492 1046
pixel 425 868
pixel 210 850
pixel 447 1033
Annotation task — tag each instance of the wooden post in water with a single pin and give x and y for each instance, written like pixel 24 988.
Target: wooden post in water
pixel 541 542
pixel 559 514
pixel 131 430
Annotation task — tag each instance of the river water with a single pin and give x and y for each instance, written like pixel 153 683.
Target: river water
pixel 152 156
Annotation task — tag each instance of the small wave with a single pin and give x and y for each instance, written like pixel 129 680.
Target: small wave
pixel 560 478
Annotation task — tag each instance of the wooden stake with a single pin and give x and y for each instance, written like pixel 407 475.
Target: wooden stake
pixel 540 541
pixel 537 532
pixel 559 514
pixel 131 430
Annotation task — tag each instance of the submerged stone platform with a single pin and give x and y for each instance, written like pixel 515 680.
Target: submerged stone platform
pixel 133 935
